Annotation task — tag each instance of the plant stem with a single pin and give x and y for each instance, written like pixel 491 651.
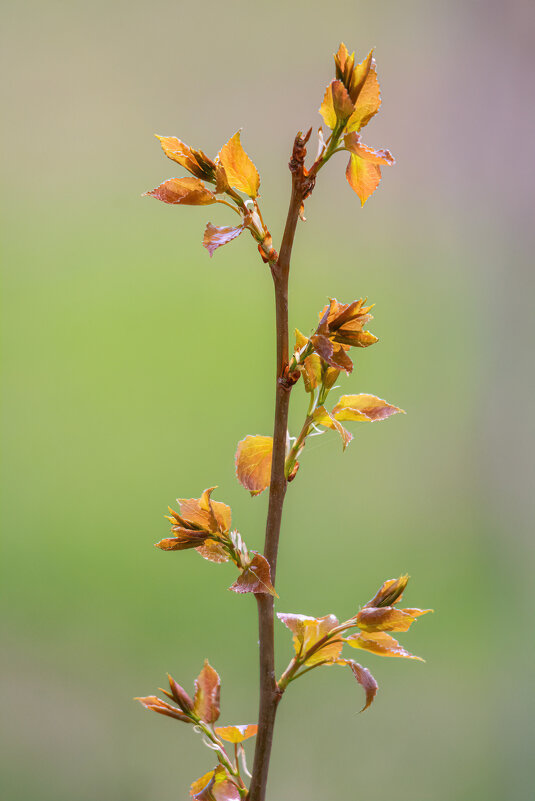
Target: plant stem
pixel 269 691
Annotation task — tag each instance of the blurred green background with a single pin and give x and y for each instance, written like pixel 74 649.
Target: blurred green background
pixel 133 364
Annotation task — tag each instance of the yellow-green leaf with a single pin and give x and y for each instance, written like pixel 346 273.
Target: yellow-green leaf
pixel 365 408
pixel 241 172
pixel 308 631
pixel 325 418
pixel 253 463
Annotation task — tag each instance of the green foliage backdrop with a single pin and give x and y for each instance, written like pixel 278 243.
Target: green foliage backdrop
pixel 133 364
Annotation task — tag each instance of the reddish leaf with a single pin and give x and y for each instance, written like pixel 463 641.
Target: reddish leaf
pixel 157 705
pixel 240 171
pixel 215 237
pixel 253 463
pixel 308 631
pixel 183 191
pixel 389 593
pixel 311 366
pixel 207 693
pixel 236 734
pixel 184 539
pixel 387 618
pixel 344 323
pixel 180 695
pixel 325 418
pixel 203 513
pixel 364 678
pixel 256 577
pixel 332 353
pixel 381 643
pixel 213 551
pixel 366 408
pixel 219 788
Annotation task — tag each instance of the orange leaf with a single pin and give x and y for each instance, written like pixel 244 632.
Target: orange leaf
pixel 389 593
pixel 308 631
pixel 236 734
pixel 337 107
pixel 220 787
pixel 256 577
pixel 364 678
pixel 204 513
pixel 366 408
pixel 207 693
pixel 363 177
pixel 381 643
pixel 183 191
pixel 195 161
pixel 358 77
pixel 253 462
pixel 368 102
pixel 387 618
pixel 240 171
pixel 184 539
pixel 157 705
pixel 325 418
pixel 215 237
pixel 200 784
pixel 354 145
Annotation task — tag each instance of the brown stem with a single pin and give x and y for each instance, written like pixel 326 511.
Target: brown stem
pixel 269 691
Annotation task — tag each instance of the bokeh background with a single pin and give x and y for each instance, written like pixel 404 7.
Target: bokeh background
pixel 133 364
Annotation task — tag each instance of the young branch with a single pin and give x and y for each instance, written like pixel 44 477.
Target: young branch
pixel 269 692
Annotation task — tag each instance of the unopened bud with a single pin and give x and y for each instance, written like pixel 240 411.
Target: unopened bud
pixel 180 695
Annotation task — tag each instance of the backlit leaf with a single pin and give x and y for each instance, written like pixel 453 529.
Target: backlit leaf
pixel 180 695
pixel 311 366
pixel 240 171
pixel 344 323
pixel 207 694
pixel 183 539
pixel 388 618
pixel 195 161
pixel 213 551
pixel 363 177
pixel 215 237
pixel 253 463
pixel 366 408
pixel 205 513
pixel 364 678
pixel 308 631
pixel 325 418
pixel 256 577
pixel 236 734
pixel 359 76
pixel 183 191
pixel 367 103
pixel 381 643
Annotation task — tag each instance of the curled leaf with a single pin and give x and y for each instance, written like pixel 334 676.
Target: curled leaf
pixel 337 107
pixel 207 693
pixel 354 145
pixel 163 708
pixel 364 678
pixel 195 161
pixel 236 734
pixel 380 643
pixel 220 787
pixel 366 408
pixel 256 577
pixel 390 592
pixel 240 171
pixel 325 418
pixel 180 695
pixel 333 353
pixel 344 323
pixel 183 191
pixel 200 784
pixel 215 237
pixel 253 463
